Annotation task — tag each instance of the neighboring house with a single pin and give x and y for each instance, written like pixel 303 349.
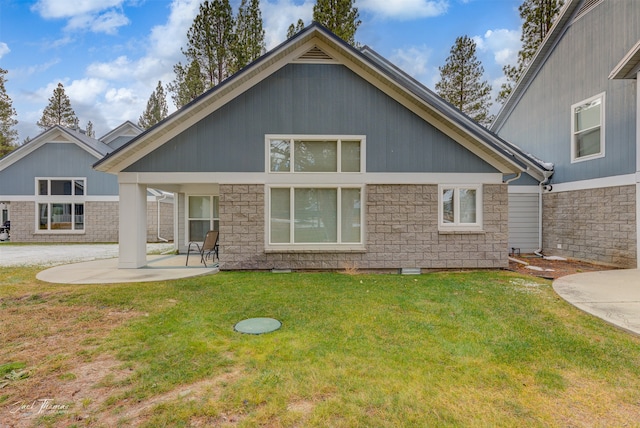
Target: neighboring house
pixel 577 106
pixel 50 192
pixel 322 156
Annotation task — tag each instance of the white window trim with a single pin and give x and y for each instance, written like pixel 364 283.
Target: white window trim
pixel 58 199
pixel 457 226
pixel 601 153
pixel 212 219
pixel 319 246
pixel 314 137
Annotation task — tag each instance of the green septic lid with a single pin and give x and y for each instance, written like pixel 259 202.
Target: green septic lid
pixel 257 325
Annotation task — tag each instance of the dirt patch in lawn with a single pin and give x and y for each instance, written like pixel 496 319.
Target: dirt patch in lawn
pixel 552 269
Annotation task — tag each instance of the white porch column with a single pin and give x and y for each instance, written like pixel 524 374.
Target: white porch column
pixel 132 234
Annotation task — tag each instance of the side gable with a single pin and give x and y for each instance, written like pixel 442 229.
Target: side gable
pixel 311 46
pixel 580 59
pixel 57 152
pixel 121 135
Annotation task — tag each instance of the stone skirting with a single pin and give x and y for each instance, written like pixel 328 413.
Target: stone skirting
pixel 597 225
pixel 101 223
pixel 401 232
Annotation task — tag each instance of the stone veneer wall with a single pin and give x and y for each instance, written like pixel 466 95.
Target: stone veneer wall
pixel 101 223
pixel 402 232
pixel 166 221
pixel 597 225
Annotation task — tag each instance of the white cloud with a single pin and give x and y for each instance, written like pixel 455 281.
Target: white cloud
pixel 279 15
pixel 36 68
pixel 54 9
pixel 166 41
pixel 405 9
pixel 98 16
pixel 415 62
pixel 4 49
pixel 502 44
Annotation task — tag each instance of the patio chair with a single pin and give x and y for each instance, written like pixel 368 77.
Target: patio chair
pixel 208 249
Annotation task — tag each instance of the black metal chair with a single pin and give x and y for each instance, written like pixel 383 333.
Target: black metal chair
pixel 208 249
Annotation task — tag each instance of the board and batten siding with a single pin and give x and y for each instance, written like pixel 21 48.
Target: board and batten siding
pixel 56 160
pixel 311 99
pixel 577 69
pixel 524 222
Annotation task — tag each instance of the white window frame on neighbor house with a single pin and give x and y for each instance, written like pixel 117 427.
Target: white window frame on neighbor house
pixel 212 217
pixel 51 199
pixel 338 177
pixel 454 222
pixel 578 133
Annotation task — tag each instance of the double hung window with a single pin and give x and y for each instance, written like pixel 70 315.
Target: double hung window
pixel 60 205
pixel 303 210
pixel 587 123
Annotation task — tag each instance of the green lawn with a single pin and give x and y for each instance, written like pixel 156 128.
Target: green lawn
pixel 442 349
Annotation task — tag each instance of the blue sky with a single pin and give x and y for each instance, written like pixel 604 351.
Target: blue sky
pixel 110 54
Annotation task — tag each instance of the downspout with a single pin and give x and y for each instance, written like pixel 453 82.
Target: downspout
pixel 547 175
pixel 158 200
pixel 513 179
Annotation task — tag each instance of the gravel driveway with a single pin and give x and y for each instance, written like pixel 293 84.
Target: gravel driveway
pixel 51 255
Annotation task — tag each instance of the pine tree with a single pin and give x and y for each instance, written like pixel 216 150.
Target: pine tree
pixel 339 16
pixel 210 41
pixel 8 135
pixel 295 29
pixel 460 81
pixel 59 111
pixel 538 17
pixel 249 34
pixel 89 130
pixel 156 110
pixel 188 84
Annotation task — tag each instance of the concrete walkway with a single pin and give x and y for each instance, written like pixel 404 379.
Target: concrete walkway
pixel 158 268
pixel 613 295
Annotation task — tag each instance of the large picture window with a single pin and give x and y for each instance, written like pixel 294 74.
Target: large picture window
pixel 587 124
pixel 460 207
pixel 60 204
pixel 202 216
pixel 315 215
pixel 304 212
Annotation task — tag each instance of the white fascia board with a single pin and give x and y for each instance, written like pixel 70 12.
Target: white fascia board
pixel 180 178
pixel 33 198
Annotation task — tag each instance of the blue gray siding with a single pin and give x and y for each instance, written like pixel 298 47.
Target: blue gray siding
pixel 56 160
pixel 311 99
pixel 578 68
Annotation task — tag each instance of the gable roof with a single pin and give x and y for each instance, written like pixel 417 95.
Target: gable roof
pixel 317 44
pixel 57 134
pixel 558 29
pixel 629 66
pixel 127 129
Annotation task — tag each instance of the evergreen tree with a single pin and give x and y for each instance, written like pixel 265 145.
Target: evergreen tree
pixel 59 111
pixel 460 81
pixel 157 108
pixel 538 17
pixel 8 135
pixel 249 34
pixel 339 16
pixel 188 84
pixel 89 130
pixel 210 41
pixel 295 29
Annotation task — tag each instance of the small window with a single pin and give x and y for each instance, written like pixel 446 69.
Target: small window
pixel 587 123
pixel 460 207
pixel 60 187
